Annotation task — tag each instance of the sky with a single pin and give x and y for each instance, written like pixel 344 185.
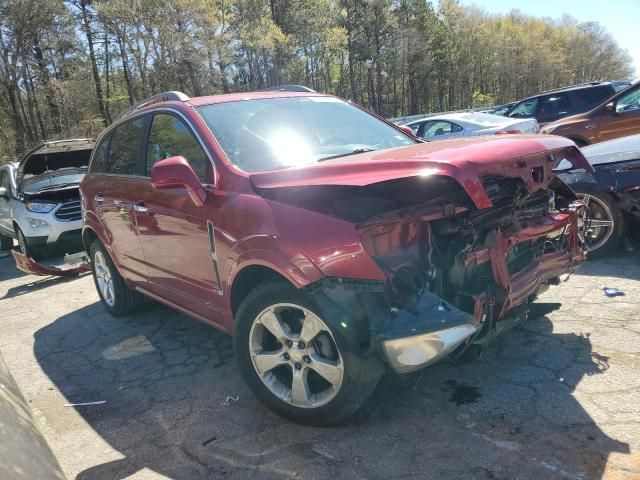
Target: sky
pixel 620 17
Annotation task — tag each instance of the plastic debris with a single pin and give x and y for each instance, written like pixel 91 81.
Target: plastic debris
pixel 226 402
pixel 85 404
pixel 612 292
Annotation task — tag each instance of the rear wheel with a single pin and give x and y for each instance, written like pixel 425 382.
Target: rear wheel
pixel 295 362
pixel 116 296
pixel 606 227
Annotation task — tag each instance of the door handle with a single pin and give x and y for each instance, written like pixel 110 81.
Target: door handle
pixel 98 198
pixel 140 208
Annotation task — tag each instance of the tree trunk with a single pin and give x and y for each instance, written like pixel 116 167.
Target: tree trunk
pixel 94 64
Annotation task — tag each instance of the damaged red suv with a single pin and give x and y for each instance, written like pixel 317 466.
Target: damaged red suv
pixel 328 242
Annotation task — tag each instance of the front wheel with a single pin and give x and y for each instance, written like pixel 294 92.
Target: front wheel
pixel 606 227
pixel 24 246
pixel 116 296
pixel 295 362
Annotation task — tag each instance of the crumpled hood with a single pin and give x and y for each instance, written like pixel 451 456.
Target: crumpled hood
pixel 530 157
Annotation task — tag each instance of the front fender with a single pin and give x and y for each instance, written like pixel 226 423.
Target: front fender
pixel 268 251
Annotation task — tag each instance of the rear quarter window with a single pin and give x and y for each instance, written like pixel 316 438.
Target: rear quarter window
pixel 588 98
pixel 98 164
pixel 124 148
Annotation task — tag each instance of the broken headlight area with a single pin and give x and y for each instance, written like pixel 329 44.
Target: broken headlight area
pixel 455 280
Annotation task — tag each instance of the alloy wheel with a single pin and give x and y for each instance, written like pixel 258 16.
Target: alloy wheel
pixel 295 355
pixel 600 226
pixel 104 278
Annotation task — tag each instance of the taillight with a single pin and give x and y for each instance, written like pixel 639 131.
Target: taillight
pixel 507 132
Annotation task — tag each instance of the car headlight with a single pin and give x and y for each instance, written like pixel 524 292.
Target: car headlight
pixel 40 207
pixel 547 130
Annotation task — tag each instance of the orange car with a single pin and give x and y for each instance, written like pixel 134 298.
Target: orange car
pixel 616 117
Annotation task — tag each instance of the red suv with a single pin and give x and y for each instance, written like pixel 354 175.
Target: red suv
pixel 329 242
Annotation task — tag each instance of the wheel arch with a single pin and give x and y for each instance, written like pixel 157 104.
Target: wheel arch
pixel 248 278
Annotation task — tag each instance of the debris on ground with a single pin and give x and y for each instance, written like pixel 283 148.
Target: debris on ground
pixel 226 402
pixel 85 404
pixel 209 440
pixel 612 292
pixel 74 267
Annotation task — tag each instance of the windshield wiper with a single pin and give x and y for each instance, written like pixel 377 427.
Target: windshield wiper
pixel 353 152
pixel 61 185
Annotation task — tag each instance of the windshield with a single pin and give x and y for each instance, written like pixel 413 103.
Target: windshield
pixel 60 179
pixel 269 134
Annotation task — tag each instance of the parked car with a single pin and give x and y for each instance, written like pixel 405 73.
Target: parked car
pixel 611 192
pixel 40 200
pixel 616 117
pixel 454 125
pixel 326 240
pixel 553 105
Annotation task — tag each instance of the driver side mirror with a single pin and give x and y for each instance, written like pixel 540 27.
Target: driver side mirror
pixel 3 192
pixel 610 107
pixel 175 172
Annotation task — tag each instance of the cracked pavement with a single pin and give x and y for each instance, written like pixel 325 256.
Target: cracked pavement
pixel 557 398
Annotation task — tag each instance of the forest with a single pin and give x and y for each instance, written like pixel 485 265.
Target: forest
pixel 67 68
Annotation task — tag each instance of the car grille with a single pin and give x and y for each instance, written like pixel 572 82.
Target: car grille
pixel 69 211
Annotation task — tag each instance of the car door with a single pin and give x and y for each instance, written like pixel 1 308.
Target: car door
pixel 177 236
pixel 440 130
pixel 624 120
pixel 5 201
pixel 115 177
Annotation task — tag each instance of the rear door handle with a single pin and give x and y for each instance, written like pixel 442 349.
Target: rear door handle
pixel 98 198
pixel 140 208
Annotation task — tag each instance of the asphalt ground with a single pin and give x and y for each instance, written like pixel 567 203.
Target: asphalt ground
pixel 557 398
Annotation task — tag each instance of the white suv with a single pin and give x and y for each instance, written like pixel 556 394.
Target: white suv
pixel 40 200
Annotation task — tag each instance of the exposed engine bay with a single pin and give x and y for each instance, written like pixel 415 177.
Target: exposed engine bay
pixel 450 264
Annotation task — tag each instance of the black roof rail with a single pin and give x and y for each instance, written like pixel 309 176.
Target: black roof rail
pixel 571 86
pixel 288 88
pixel 160 97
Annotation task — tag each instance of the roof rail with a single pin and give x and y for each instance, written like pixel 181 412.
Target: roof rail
pixel 571 86
pixel 288 88
pixel 160 97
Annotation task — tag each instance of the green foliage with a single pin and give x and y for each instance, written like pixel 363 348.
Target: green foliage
pixel 68 67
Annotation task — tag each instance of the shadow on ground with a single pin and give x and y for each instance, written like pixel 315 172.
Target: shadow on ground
pixel 167 381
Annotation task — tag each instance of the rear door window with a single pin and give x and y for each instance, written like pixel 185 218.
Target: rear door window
pixel 438 127
pixel 588 98
pixel 553 107
pixel 170 136
pixel 124 148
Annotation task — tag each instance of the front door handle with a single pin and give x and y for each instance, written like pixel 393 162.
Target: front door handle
pixel 98 198
pixel 140 208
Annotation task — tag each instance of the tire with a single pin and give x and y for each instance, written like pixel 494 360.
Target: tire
pixel 602 208
pixel 24 246
pixel 6 243
pixel 117 298
pixel 324 402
